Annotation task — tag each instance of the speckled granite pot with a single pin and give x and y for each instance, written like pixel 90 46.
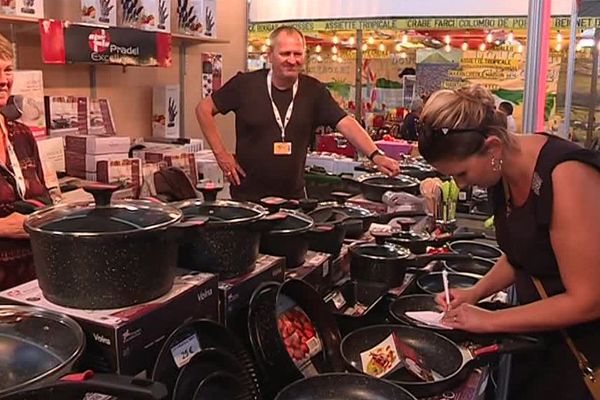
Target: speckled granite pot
pixel 104 255
pixel 228 245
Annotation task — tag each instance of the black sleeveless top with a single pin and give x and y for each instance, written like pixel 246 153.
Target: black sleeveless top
pixel 524 235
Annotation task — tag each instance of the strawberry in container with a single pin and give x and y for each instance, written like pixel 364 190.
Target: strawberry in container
pixel 299 336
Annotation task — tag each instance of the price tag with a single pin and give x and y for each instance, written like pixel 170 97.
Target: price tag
pixel 182 352
pixel 338 300
pixel 325 269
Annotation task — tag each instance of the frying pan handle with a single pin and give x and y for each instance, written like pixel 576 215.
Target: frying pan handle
pixel 77 385
pixel 511 344
pixel 424 259
pixel 465 236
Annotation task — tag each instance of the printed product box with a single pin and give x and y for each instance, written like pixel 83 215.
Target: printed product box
pixel 165 111
pixel 99 11
pixel 23 8
pixel 127 340
pixel 90 144
pixel 156 15
pixel 30 86
pixel 66 115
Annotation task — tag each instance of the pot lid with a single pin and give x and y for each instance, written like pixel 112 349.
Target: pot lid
pixel 222 212
pixel 381 251
pixel 35 344
pixel 294 223
pixel 411 236
pixel 91 219
pixel 398 182
pixel 349 210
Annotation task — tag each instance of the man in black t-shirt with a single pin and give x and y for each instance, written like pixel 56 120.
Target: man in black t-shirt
pixel 276 113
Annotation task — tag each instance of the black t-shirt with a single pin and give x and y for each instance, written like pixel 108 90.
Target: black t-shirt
pixel 256 131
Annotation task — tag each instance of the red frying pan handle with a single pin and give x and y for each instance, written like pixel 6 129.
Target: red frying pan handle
pixel 493 349
pixel 80 377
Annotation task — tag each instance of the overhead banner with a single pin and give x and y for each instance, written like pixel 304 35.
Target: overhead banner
pixel 433 23
pixel 67 43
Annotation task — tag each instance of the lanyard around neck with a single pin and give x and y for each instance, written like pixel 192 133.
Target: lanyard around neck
pixel 17 173
pixel 288 115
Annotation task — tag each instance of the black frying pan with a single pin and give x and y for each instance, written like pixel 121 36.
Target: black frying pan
pixel 432 283
pixel 476 249
pixel 220 385
pixel 343 386
pixel 451 362
pixel 477 265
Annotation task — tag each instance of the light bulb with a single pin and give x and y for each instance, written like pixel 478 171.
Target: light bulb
pixel 250 48
pixel 489 37
pixel 559 37
pixel 318 48
pixel 334 50
pixel 398 47
pixel 340 59
pixel 447 39
pixel 351 41
pixel 578 47
pixel 447 48
pixel 334 57
pixel 520 48
pixel 404 39
pixel 403 55
pixel 319 58
pixel 264 48
pixel 558 47
pixel 364 47
pixel 335 39
pixel 268 42
pixel 482 47
pixel 465 46
pixel 371 39
pixel 381 46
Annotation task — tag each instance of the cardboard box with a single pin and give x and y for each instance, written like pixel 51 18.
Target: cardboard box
pixel 81 162
pixel 24 8
pixel 100 118
pixel 127 171
pixel 52 153
pixel 90 144
pixel 234 294
pixel 339 270
pixel 66 115
pixel 315 271
pixel 99 11
pixel 130 13
pixel 156 15
pixel 127 340
pixel 209 171
pixel 209 18
pixel 185 161
pixel 194 23
pixel 165 111
pixel 30 86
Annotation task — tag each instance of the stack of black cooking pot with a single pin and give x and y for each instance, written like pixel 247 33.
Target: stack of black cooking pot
pixel 40 347
pixel 106 254
pixel 203 360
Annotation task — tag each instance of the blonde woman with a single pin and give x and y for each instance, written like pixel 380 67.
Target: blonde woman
pixel 21 179
pixel 546 195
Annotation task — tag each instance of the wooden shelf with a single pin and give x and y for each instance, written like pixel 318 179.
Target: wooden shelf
pixel 15 19
pixel 197 39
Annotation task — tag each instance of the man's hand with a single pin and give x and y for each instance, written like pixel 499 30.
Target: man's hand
pixel 230 167
pixel 12 226
pixel 387 165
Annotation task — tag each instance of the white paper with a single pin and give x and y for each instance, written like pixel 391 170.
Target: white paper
pixel 431 318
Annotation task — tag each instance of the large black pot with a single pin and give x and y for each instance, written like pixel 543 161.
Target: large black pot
pixel 388 263
pixel 373 186
pixel 229 243
pixel 39 347
pixel 105 255
pixel 328 233
pixel 288 238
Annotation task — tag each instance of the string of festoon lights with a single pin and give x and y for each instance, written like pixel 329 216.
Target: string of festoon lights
pixel 343 47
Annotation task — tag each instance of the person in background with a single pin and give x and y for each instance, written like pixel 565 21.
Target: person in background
pixel 408 131
pixel 276 113
pixel 507 109
pixel 21 179
pixel 545 192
